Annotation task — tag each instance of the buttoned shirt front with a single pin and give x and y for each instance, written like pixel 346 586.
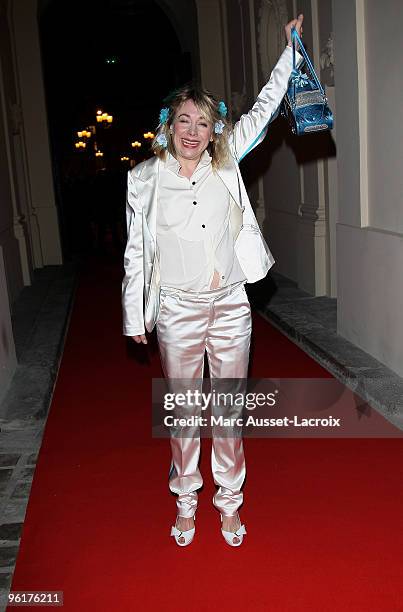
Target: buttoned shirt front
pixel 193 228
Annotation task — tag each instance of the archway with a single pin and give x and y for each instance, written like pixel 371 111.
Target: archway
pixel 122 56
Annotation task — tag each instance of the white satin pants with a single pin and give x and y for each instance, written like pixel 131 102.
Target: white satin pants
pixel 219 322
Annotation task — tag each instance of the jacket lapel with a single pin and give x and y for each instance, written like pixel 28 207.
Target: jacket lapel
pixel 228 175
pixel 148 192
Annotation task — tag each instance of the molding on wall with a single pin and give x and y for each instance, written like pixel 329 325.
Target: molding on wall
pixel 261 207
pixel 332 204
pixel 238 98
pixel 327 56
pixel 302 187
pixel 29 74
pixel 301 168
pixel 268 44
pixel 316 58
pixel 253 44
pixel 23 229
pixel 12 122
pixel 8 359
pixel 22 170
pixel 273 16
pixel 362 109
pixel 312 223
pixel 310 212
pixel 227 71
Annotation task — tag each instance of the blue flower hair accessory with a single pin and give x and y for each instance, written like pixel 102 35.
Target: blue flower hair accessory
pixel 219 127
pixel 222 109
pixel 162 140
pixel 164 113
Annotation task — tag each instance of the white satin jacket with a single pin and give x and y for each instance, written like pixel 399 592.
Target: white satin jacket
pixel 141 283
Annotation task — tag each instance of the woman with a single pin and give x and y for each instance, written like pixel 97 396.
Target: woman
pixel 193 243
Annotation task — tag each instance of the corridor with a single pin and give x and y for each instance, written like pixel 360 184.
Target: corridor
pixel 323 515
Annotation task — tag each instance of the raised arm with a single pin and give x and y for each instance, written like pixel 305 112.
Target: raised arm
pixel 251 128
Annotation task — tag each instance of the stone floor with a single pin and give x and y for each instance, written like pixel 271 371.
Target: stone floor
pixel 40 321
pixel 311 322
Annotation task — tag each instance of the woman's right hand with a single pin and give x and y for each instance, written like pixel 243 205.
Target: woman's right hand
pixel 294 23
pixel 140 339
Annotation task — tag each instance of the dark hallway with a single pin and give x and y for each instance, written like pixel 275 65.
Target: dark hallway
pixel 122 57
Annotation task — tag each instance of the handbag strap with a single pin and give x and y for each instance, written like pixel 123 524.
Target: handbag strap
pixel 295 38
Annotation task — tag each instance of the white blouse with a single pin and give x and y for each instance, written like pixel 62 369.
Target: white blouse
pixel 193 228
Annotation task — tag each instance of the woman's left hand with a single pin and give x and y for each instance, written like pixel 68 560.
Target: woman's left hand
pixel 294 23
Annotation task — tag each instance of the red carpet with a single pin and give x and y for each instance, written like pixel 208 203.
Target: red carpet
pixel 324 516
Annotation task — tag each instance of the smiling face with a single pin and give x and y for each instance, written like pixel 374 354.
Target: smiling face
pixel 191 133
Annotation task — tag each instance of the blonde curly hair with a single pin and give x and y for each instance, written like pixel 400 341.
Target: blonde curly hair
pixel 208 106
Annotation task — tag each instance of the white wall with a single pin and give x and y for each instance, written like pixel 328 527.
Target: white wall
pixel 384 44
pixel 368 46
pixel 301 191
pixel 370 293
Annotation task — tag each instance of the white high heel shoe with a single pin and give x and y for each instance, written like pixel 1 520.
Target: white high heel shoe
pixel 230 535
pixel 187 535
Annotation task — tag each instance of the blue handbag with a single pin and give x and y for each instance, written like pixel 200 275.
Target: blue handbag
pixel 305 103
